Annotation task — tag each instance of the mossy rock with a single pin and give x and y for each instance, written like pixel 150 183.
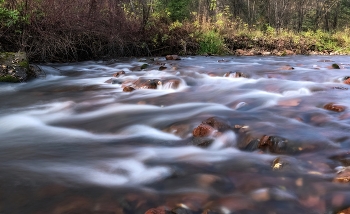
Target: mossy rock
pixel 14 67
pixel 9 78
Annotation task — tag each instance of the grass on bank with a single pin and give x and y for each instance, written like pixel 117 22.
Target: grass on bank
pixel 224 37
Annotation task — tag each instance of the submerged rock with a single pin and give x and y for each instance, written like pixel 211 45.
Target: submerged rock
pixel 346 80
pixel 234 74
pixel 203 130
pixel 273 144
pixel 146 83
pixel 204 134
pixel 172 57
pixel 334 107
pixel 161 68
pixel 335 66
pixel 128 89
pixel 144 66
pixel 158 210
pixel 118 74
pixel 249 141
pixel 343 176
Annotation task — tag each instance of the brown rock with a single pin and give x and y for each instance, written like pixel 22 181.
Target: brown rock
pixel 246 140
pixel 172 57
pixel 209 128
pixel 286 67
pixel 343 177
pixel 147 83
pixel 118 74
pixel 334 107
pixel 158 210
pixel 170 83
pixel 273 144
pixel 346 80
pixel 346 211
pixel 217 123
pixel 203 130
pixel 234 74
pixel 128 89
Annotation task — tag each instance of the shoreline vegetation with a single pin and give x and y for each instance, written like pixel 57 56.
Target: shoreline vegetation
pixel 64 31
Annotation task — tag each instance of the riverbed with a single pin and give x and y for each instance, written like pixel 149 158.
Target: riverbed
pixel 210 135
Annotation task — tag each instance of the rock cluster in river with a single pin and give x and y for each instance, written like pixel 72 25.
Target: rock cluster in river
pixel 206 132
pixel 131 84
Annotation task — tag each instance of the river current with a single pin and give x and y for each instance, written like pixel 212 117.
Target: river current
pixel 75 142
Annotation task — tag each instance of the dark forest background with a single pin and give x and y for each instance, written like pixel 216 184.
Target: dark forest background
pixel 69 30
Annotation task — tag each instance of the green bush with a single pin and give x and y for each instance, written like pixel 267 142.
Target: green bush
pixel 8 17
pixel 211 42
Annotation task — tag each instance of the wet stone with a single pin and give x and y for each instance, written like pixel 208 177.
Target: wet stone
pixel 217 123
pixel 172 57
pixel 170 83
pixel 202 141
pixel 346 80
pixel 203 130
pixel 273 144
pixel 161 68
pixel 345 211
pixel 146 83
pixel 335 66
pixel 234 74
pixel 144 66
pixel 343 176
pixel 128 89
pixel 246 140
pixel 118 74
pixel 211 127
pixel 158 210
pixel 334 107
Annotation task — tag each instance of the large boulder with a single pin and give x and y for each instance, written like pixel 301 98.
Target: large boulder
pixel 14 67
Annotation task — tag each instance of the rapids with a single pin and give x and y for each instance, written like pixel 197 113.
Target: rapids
pixel 74 143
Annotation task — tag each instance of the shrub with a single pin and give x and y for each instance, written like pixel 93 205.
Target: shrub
pixel 211 42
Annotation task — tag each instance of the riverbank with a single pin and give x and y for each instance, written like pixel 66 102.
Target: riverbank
pixel 184 40
pixel 65 35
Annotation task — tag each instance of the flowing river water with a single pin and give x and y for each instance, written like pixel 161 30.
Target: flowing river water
pixel 198 135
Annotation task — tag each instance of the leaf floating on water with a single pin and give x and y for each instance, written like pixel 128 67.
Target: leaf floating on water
pixel 277 164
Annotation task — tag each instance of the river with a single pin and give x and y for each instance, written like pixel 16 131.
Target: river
pixel 213 135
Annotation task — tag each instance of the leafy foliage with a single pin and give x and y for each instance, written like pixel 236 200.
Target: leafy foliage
pixel 211 42
pixel 8 17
